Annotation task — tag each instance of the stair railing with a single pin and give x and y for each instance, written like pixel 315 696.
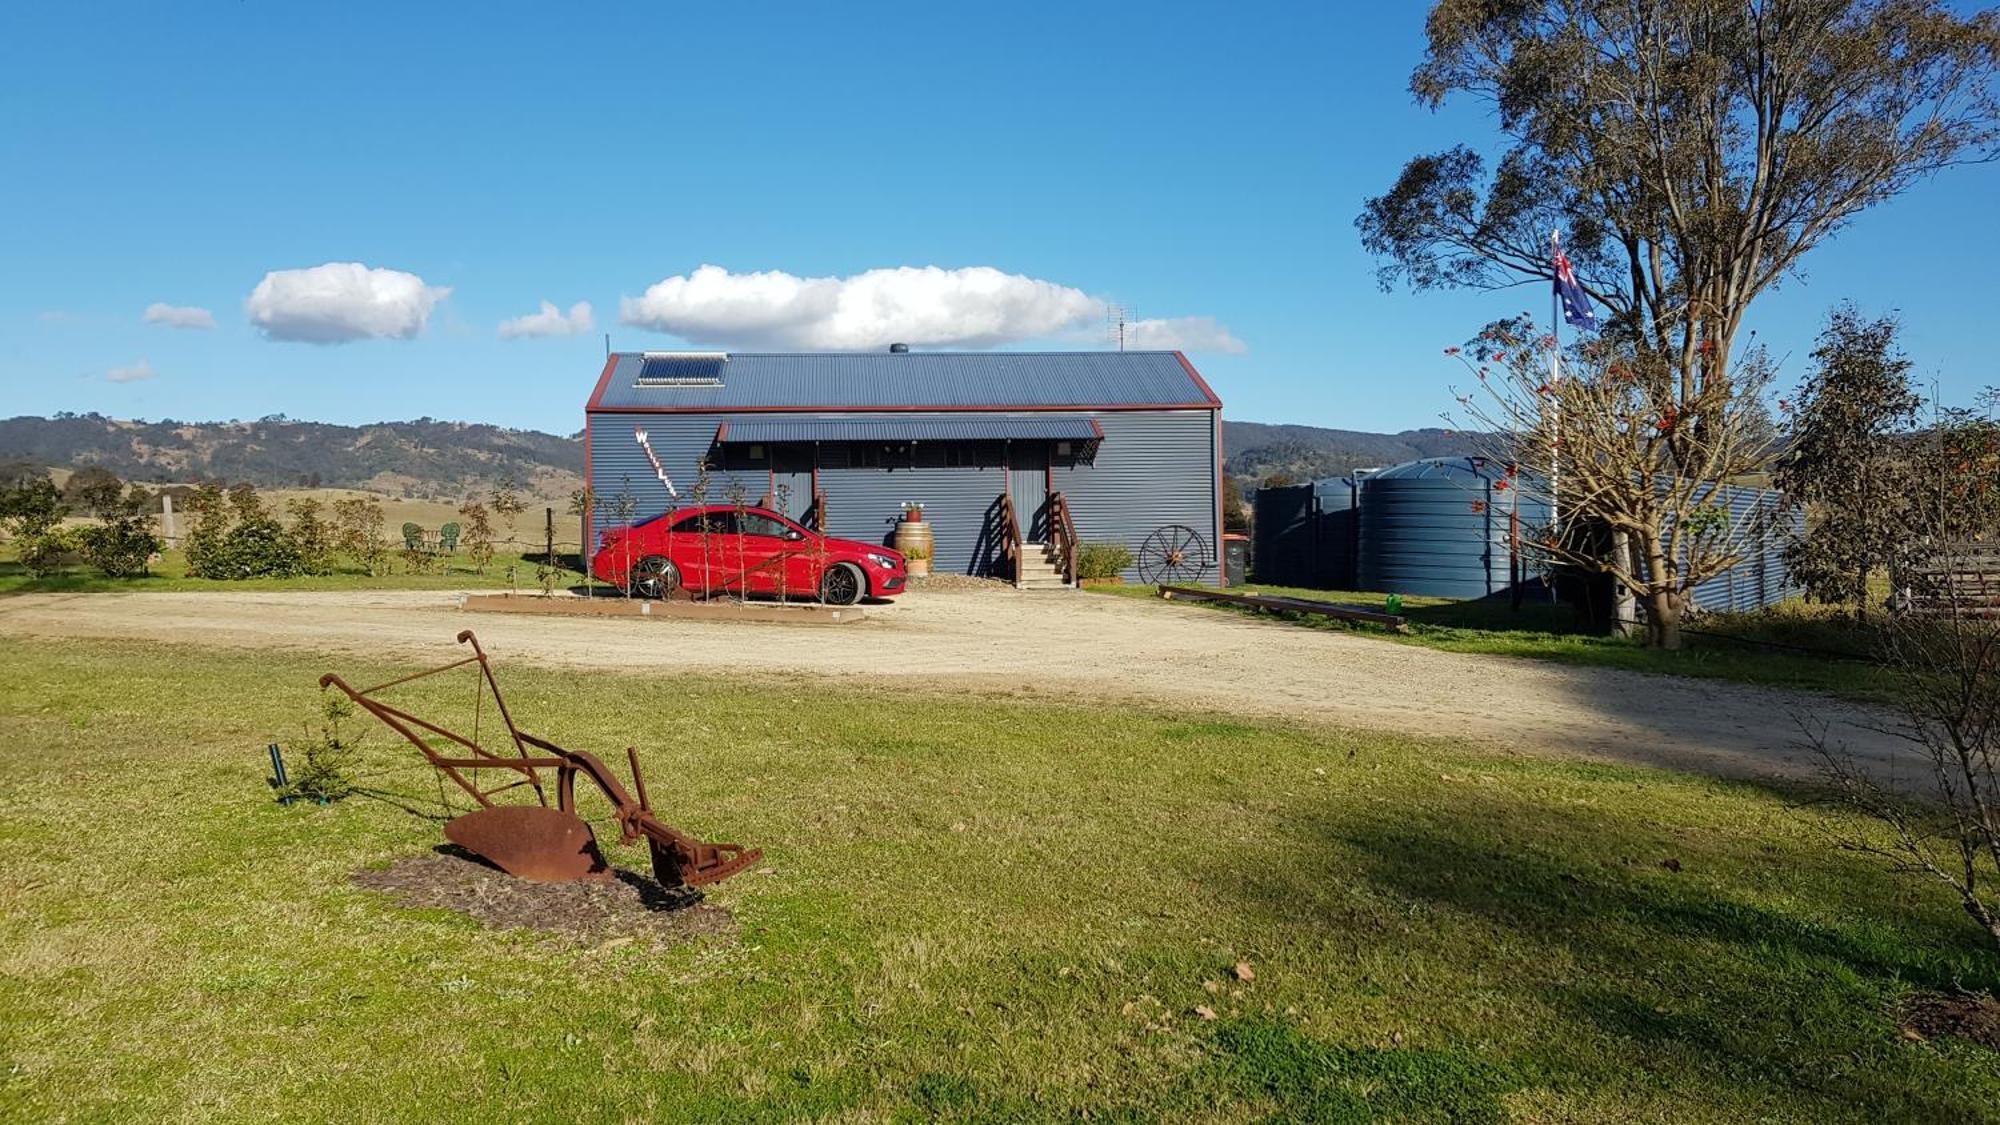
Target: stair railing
pixel 1062 536
pixel 1010 526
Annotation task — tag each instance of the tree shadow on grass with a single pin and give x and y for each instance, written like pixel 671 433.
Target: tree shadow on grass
pixel 1675 979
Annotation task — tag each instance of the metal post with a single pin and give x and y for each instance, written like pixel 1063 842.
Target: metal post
pixel 548 537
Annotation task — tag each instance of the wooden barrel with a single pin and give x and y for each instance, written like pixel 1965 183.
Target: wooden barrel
pixel 915 535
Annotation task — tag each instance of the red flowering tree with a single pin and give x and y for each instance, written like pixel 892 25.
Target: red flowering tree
pixel 1634 465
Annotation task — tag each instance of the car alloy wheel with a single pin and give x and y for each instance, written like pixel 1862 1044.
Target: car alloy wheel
pixel 841 585
pixel 655 577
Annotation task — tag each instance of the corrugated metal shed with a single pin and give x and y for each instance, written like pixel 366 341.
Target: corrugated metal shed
pixel 767 431
pixel 820 381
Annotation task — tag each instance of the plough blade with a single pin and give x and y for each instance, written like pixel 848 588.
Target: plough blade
pixel 700 864
pixel 541 845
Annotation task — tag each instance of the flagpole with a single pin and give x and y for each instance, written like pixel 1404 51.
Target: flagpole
pixel 1555 387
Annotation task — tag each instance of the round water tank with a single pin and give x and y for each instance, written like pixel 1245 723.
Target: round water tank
pixel 1442 527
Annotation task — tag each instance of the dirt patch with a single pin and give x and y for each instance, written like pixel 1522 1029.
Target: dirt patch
pixel 628 908
pixel 988 637
pixel 1972 1016
pixel 957 582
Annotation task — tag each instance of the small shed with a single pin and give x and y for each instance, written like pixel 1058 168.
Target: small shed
pixel 1124 443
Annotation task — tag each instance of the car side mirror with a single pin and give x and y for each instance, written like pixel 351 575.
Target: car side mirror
pixel 794 534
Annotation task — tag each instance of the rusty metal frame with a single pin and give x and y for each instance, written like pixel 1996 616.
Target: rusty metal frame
pixel 678 859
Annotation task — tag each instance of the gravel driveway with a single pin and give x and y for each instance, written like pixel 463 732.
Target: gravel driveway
pixel 1051 644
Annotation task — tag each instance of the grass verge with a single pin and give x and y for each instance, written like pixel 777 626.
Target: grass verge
pixel 1788 646
pixel 972 907
pixel 170 575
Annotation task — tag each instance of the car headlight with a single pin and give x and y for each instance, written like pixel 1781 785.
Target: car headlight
pixel 883 561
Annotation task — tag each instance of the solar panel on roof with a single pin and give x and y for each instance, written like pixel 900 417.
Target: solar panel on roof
pixel 682 369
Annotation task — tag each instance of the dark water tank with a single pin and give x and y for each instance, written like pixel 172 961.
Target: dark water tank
pixel 1442 527
pixel 1305 534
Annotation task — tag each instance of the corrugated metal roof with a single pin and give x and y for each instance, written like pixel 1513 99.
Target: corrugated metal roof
pixel 770 432
pixel 916 380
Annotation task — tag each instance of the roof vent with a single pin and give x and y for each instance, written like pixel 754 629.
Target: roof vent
pixel 899 349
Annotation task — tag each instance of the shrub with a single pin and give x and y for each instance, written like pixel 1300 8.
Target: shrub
pixel 32 508
pixel 233 536
pixel 358 526
pixel 312 537
pixel 121 546
pixel 478 534
pixel 42 553
pixel 322 775
pixel 1102 560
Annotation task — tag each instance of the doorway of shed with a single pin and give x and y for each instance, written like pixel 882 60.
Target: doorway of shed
pixel 1028 487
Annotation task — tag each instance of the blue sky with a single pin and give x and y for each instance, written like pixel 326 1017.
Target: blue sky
pixel 1200 161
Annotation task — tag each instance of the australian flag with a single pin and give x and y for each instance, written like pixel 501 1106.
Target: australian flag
pixel 1575 302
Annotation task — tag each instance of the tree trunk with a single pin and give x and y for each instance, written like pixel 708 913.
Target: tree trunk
pixel 1663 620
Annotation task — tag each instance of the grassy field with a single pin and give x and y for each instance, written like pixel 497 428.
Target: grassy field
pixel 170 574
pixel 1791 645
pixel 971 908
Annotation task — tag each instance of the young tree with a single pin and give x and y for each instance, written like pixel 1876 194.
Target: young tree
pixel 1638 461
pixel 95 489
pixel 1937 803
pixel 358 523
pixel 1844 463
pixel 33 513
pixel 1694 151
pixel 478 534
pixel 311 536
pixel 507 505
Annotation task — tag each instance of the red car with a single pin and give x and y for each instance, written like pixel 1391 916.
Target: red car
pixel 724 549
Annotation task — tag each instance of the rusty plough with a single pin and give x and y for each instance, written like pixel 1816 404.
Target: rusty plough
pixel 538 842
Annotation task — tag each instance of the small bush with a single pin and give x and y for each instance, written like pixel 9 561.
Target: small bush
pixel 1102 560
pixel 313 539
pixel 121 547
pixel 42 553
pixel 322 774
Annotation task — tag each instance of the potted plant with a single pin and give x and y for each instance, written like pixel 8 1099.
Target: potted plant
pixel 918 562
pixel 913 511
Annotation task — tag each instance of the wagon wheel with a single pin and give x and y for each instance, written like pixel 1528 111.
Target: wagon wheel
pixel 1172 555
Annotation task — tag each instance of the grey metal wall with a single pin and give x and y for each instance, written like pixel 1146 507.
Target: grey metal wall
pixel 1153 468
pixel 1761 579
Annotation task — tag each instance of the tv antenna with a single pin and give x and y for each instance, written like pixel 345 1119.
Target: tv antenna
pixel 1118 322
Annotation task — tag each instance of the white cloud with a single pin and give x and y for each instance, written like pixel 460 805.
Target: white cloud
pixel 550 321
pixel 1183 334
pixel 179 316
pixel 342 301
pixel 137 372
pixel 977 307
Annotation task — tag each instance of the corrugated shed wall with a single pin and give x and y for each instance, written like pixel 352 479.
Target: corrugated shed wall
pixel 1153 468
pixel 1761 578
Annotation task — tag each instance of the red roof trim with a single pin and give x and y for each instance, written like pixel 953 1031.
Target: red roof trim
pixel 1097 429
pixel 603 381
pixel 722 433
pixel 1198 380
pixel 1025 408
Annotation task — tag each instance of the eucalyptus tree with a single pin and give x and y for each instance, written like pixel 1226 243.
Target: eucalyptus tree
pixel 1692 152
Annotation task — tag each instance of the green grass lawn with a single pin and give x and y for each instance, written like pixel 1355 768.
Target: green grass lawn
pixel 972 907
pixel 1765 648
pixel 170 574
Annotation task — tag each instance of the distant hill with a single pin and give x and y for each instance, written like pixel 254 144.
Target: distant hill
pixel 424 457
pixel 1255 451
pixel 427 457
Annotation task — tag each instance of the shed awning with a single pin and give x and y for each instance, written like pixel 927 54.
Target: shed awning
pixel 778 431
